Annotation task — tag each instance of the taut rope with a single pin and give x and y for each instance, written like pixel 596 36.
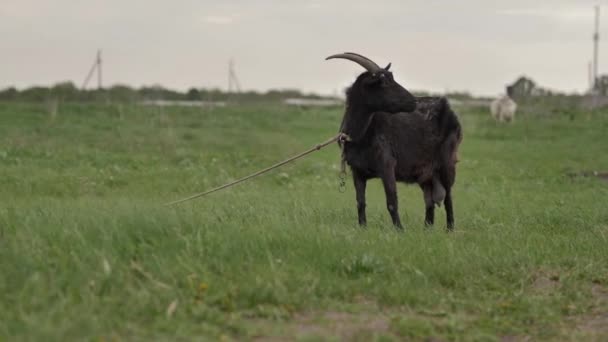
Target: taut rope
pixel 340 137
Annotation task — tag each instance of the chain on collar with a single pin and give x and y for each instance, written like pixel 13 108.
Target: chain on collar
pixel 342 175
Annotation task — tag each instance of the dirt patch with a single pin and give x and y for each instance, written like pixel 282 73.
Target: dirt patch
pixel 591 326
pixel 602 175
pixel 545 282
pixel 595 324
pixel 363 320
pixel 515 339
pixel 345 326
pixel 367 321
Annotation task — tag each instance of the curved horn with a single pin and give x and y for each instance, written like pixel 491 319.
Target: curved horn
pixel 358 55
pixel 363 61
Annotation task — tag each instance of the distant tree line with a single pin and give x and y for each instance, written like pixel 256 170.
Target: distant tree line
pixel 68 92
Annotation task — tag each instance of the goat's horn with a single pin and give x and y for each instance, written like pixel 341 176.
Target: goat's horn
pixel 363 61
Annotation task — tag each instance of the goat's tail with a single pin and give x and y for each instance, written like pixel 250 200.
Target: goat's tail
pixel 447 119
pixel 449 158
pixel 451 136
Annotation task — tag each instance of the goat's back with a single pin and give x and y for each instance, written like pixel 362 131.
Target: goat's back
pixel 421 142
pixel 424 140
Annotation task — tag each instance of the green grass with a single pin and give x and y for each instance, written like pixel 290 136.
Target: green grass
pixel 88 252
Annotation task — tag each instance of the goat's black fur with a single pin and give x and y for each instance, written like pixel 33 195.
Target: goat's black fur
pixel 400 138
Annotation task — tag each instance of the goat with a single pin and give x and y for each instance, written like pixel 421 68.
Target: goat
pixel 398 137
pixel 503 108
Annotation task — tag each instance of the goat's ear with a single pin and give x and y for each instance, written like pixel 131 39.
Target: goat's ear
pixel 387 67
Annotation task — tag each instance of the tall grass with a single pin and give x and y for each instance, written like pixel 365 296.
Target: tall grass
pixel 88 251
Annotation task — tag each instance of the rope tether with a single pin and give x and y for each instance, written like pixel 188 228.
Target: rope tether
pixel 340 137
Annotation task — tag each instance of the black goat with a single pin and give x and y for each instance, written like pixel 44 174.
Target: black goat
pixel 398 137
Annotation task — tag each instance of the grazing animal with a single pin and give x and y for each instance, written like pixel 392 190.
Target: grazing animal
pixel 503 108
pixel 399 138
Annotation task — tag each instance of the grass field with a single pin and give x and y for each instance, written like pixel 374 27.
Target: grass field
pixel 88 251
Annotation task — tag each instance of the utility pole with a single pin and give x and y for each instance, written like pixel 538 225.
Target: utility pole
pixel 96 66
pixel 590 75
pixel 233 82
pixel 230 66
pixel 99 78
pixel 596 41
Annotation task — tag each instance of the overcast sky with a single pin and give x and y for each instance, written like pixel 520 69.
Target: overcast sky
pixel 474 45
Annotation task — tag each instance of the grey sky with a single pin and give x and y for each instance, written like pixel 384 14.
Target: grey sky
pixel 475 45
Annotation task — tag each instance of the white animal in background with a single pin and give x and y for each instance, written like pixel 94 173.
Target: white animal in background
pixel 503 108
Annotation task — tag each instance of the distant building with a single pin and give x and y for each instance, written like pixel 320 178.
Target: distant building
pixel 597 96
pixel 523 87
pixel 601 86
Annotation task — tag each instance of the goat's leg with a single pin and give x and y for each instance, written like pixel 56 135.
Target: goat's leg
pixel 449 212
pixel 448 176
pixel 360 183
pixel 429 203
pixel 390 188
